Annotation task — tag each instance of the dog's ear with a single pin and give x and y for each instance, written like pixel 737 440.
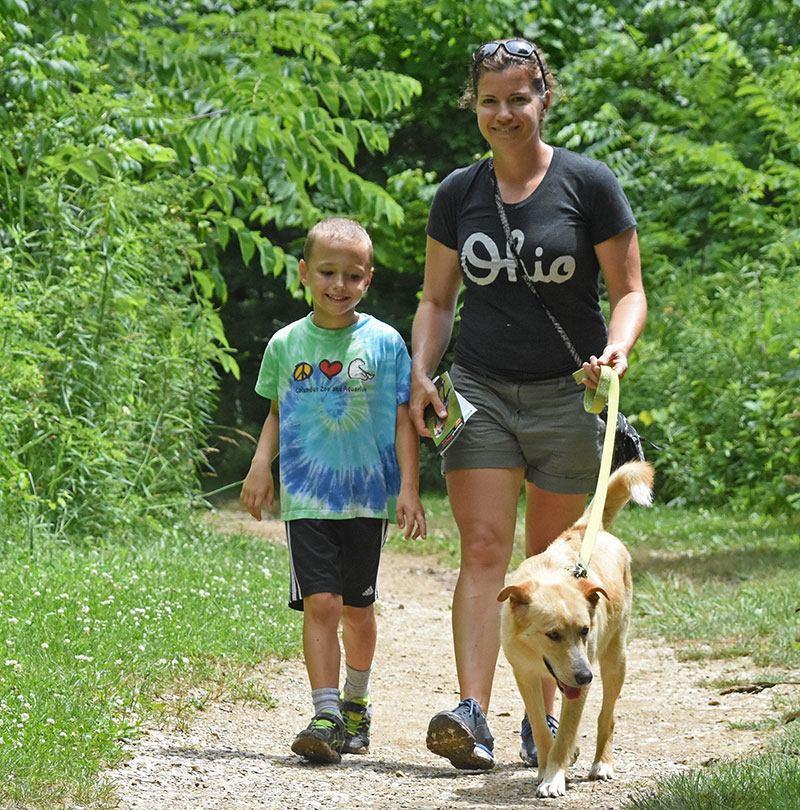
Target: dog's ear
pixel 591 592
pixel 516 593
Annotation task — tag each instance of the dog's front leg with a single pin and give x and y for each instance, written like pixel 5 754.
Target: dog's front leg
pixel 612 667
pixel 530 687
pixel 554 776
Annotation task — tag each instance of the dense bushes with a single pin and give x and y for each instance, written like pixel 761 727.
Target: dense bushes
pixel 158 157
pixel 141 143
pixel 715 381
pixel 691 104
pixel 107 361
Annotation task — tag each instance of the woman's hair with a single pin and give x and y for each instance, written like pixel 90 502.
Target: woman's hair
pixel 502 60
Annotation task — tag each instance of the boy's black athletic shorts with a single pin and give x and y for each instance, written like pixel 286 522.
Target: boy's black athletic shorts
pixel 335 556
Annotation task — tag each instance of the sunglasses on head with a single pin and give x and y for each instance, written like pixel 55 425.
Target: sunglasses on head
pixel 514 47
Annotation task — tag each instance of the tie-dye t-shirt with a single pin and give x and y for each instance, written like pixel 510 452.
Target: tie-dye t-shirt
pixel 338 392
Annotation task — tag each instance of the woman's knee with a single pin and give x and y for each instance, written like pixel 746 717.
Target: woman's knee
pixel 486 549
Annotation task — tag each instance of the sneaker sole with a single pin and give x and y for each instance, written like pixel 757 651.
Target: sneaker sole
pixel 315 750
pixel 448 738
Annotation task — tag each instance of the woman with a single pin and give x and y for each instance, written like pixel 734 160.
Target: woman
pixel 569 221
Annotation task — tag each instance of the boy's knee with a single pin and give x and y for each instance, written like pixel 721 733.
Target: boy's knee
pixel 323 605
pixel 358 616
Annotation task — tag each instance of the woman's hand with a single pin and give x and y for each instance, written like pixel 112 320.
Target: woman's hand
pixel 614 356
pixel 433 326
pixel 622 271
pixel 424 394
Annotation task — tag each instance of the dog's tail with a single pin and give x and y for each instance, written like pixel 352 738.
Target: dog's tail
pixel 632 481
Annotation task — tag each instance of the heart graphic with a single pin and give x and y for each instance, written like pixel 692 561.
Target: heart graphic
pixel 329 369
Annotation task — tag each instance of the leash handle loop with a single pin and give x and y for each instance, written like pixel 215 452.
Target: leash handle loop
pixel 594 401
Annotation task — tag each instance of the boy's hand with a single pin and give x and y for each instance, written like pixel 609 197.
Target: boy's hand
pixel 411 515
pixel 258 487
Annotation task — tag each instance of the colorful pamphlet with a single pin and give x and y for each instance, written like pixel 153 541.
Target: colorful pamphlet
pixel 459 409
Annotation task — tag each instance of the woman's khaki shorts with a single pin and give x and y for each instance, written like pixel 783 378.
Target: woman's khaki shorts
pixel 541 427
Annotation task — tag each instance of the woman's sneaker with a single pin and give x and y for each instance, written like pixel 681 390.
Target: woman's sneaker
pixel 357 715
pixel 527 752
pixel 322 740
pixel 462 736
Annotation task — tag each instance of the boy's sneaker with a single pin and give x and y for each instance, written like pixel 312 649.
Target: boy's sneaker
pixel 322 740
pixel 462 736
pixel 357 716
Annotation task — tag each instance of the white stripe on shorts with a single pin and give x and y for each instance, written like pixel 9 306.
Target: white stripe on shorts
pixel 294 585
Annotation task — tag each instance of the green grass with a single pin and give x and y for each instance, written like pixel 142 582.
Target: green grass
pixel 93 638
pixel 715 584
pixel 721 584
pixel 768 783
pixel 98 640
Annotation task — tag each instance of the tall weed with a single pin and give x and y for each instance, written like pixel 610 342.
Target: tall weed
pixel 107 353
pixel 715 382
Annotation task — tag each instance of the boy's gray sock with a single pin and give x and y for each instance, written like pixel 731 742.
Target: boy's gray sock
pixel 326 700
pixel 356 686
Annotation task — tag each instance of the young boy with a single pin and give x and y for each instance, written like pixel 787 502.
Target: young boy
pixel 338 382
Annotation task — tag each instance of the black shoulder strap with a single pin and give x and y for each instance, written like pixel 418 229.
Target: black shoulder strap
pixel 522 271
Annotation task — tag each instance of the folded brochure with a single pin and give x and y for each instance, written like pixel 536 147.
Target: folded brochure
pixel 459 409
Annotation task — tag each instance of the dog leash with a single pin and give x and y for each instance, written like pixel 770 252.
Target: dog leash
pixel 593 402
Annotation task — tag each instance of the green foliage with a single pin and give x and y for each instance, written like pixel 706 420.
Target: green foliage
pixel 693 106
pixel 765 783
pixel 142 143
pixel 94 638
pixel 433 42
pixel 247 121
pixel 108 361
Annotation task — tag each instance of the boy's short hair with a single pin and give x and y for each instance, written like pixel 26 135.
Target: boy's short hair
pixel 337 229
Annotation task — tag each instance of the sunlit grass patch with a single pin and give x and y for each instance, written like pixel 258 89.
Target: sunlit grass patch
pixel 767 783
pixel 96 640
pixel 717 585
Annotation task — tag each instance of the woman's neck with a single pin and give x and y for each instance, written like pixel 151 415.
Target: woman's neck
pixel 519 173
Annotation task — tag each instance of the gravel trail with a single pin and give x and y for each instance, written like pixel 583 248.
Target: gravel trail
pixel 237 756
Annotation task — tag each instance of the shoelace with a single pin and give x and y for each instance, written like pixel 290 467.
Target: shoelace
pixel 353 719
pixel 552 724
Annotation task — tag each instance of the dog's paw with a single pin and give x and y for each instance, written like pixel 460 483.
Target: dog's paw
pixel 553 787
pixel 602 771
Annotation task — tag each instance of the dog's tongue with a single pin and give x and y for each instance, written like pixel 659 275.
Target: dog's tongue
pixel 571 692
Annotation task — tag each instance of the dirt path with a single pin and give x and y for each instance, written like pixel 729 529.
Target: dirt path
pixel 237 756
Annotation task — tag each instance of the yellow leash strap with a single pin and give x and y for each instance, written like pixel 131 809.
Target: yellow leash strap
pixel 594 400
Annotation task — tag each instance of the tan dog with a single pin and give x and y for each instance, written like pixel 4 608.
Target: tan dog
pixel 555 624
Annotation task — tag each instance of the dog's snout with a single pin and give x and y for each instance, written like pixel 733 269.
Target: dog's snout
pixel 583 677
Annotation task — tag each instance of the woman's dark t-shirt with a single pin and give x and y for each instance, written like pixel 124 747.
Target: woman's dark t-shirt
pixel 503 331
